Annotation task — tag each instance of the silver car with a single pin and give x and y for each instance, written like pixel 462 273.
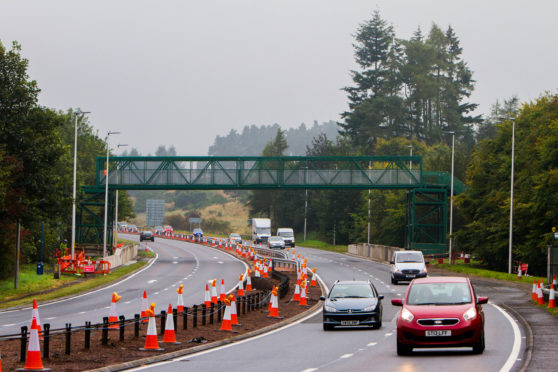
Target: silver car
pixel 275 242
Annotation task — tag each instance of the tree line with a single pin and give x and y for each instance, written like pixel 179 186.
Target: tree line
pixel 36 165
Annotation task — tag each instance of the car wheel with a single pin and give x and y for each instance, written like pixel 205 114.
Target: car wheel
pixel 478 348
pixel 377 325
pixel 328 327
pixel 403 349
pixel 393 281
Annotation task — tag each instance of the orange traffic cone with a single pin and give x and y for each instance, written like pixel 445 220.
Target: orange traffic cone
pixel 234 315
pixel 113 314
pixel 264 269
pixel 274 305
pixel 302 301
pixel 144 307
pixel 554 280
pixel 222 293
pixel 170 337
pixel 226 325
pixel 180 299
pixel 241 285
pixel 214 291
pixel 33 360
pixel 313 281
pixel 540 298
pixel 534 292
pixel 151 341
pixel 248 282
pixel 207 298
pixel 296 296
pixel 35 314
pixel 551 298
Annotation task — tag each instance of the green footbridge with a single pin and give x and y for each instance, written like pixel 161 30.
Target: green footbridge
pixel 427 192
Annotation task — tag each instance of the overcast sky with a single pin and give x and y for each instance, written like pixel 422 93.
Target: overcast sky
pixel 181 72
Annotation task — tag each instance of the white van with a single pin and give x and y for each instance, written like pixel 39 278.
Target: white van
pixel 407 265
pixel 287 234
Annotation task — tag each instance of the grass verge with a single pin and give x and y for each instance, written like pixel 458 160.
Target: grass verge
pixel 474 268
pixel 321 245
pixel 31 285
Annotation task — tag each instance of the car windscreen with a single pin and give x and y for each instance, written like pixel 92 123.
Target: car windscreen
pixel 286 234
pixel 351 291
pixel 439 294
pixel 275 240
pixel 409 257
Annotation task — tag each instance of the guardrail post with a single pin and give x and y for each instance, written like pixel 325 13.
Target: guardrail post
pixel 163 321
pixel 185 318
pixel 258 299
pixel 219 311
pixel 136 325
pixel 204 313
pixel 243 300
pixel 46 342
pixel 122 320
pixel 175 318
pixel 104 334
pixel 68 338
pixel 23 344
pixel 195 316
pixel 211 311
pixel 87 335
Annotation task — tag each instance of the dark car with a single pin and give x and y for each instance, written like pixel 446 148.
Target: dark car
pixel 352 304
pixel 147 235
pixel 440 312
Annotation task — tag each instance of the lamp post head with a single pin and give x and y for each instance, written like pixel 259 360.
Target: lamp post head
pixel 81 112
pixel 109 133
pixel 122 145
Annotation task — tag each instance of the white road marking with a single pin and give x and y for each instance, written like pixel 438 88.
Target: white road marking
pixel 344 356
pixel 516 341
pixel 127 302
pixel 156 293
pixel 151 281
pixel 309 370
pixel 220 262
pixel 9 325
pixel 388 334
pixel 174 262
pixel 372 344
pixel 166 289
pixel 81 312
pixel 52 317
pixel 107 307
pixel 175 258
pixel 216 258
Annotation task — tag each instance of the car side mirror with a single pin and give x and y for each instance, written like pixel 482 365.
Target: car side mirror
pixel 427 262
pixel 322 298
pixel 380 297
pixel 482 300
pixel 392 262
pixel 396 302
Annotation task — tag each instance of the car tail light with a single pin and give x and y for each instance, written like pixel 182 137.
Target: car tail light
pixel 470 314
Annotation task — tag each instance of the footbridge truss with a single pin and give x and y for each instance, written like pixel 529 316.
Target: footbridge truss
pixel 426 196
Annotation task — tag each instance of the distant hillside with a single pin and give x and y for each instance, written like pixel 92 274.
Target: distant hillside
pixel 252 140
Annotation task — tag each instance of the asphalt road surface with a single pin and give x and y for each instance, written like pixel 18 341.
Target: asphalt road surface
pixel 177 263
pixel 305 347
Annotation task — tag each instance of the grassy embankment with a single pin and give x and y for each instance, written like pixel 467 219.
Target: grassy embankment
pixel 45 287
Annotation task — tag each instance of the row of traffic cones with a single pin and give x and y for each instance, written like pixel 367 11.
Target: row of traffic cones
pixel 537 294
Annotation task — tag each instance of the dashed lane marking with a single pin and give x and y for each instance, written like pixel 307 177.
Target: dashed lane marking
pixel 388 334
pixel 372 344
pixel 309 370
pixel 151 281
pixel 344 356
pixel 174 262
pixel 52 317
pixel 9 325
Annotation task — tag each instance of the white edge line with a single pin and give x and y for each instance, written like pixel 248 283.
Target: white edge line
pixel 516 341
pixel 319 310
pixel 88 293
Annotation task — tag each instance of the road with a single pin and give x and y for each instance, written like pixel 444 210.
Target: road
pixel 305 347
pixel 177 263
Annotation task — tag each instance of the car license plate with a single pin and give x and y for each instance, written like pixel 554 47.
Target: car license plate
pixel 349 322
pixel 438 333
pixel 411 276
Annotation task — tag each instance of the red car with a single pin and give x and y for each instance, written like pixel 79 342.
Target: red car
pixel 440 312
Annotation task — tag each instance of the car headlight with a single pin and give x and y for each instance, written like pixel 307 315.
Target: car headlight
pixel 470 314
pixel 407 315
pixel 369 308
pixel 330 309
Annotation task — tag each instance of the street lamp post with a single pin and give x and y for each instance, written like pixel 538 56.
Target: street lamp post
pixel 115 226
pixel 369 196
pixel 411 163
pixel 511 199
pixel 76 113
pixel 106 195
pixel 451 194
